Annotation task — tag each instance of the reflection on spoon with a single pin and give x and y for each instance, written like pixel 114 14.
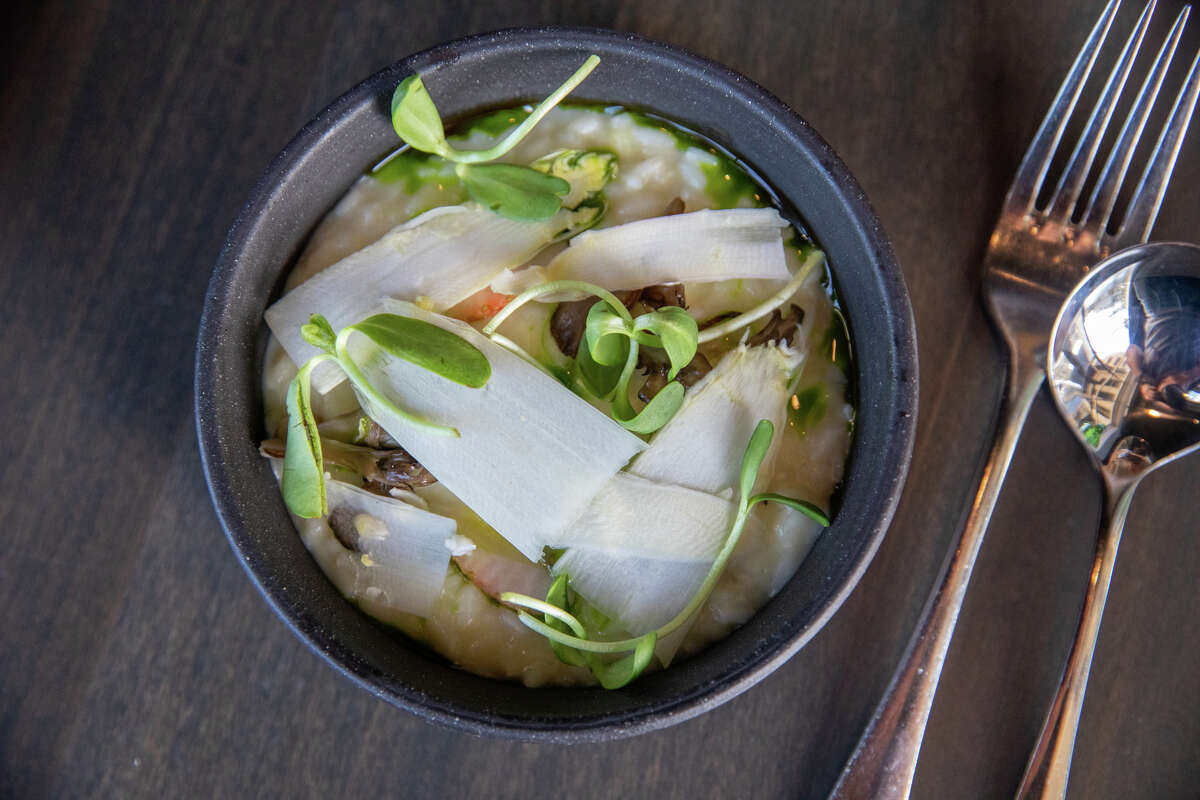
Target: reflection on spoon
pixel 1124 366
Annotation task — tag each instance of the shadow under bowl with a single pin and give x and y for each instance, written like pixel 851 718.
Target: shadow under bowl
pixel 507 68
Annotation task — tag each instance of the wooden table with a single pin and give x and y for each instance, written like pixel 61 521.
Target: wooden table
pixel 138 660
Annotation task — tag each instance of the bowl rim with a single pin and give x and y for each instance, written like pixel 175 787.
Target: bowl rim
pixel 214 438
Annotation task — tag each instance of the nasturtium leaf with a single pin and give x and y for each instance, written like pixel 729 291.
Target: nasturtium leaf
pixel 514 192
pixel 806 508
pixel 676 331
pixel 415 117
pixel 319 333
pixel 620 672
pixel 606 335
pixel 438 350
pixel 658 411
pixel 303 465
pixel 756 451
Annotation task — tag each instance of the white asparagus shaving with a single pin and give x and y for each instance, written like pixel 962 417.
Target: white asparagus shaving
pixel 438 258
pixel 642 549
pixel 698 247
pixel 531 454
pixel 403 557
pixel 700 447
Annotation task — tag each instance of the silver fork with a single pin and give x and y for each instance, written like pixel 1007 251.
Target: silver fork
pixel 1034 258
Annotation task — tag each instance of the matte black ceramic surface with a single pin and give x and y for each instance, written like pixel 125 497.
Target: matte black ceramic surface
pixel 471 75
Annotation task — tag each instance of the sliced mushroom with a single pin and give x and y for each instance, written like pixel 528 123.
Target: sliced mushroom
pixel 341 522
pixel 396 468
pixel 664 294
pixel 718 319
pixel 656 375
pixel 779 328
pixel 379 439
pixel 381 470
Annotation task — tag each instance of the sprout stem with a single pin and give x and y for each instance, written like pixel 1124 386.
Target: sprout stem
pixel 543 108
pixel 773 302
pixel 364 386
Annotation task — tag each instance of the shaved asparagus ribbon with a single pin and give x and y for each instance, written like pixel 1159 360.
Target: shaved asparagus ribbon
pixel 443 353
pixel 756 451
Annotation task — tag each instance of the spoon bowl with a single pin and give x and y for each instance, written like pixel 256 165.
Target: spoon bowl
pixel 1124 367
pixel 1124 361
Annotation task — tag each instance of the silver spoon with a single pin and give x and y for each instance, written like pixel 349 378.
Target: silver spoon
pixel 1124 366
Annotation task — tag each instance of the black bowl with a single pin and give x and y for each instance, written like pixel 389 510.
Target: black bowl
pixel 505 68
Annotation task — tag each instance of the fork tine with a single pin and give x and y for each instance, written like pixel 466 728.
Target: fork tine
pixel 1104 196
pixel 1143 209
pixel 1032 171
pixel 1066 194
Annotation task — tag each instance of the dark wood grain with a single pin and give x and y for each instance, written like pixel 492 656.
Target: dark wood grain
pixel 138 661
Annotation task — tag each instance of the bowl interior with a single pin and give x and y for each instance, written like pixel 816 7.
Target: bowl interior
pixel 506 68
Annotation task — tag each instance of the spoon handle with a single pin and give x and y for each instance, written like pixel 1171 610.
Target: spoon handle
pixel 1049 767
pixel 885 761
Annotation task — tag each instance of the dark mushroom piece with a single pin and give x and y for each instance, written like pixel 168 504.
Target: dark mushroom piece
pixel 396 469
pixel 379 439
pixel 779 328
pixel 656 375
pixel 568 320
pixel 664 294
pixel 381 470
pixel 717 320
pixel 341 522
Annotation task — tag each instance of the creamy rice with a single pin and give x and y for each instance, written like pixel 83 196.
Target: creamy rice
pixel 656 165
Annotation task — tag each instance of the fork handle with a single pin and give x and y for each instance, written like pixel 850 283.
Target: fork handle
pixel 885 761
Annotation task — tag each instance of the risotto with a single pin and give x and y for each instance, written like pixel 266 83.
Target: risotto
pixel 648 193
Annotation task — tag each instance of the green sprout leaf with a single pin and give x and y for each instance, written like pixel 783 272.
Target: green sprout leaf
pixel 606 335
pixel 675 331
pixel 599 379
pixel 608 354
pixel 319 333
pixel 417 122
pixel 514 192
pixel 557 596
pixel 416 118
pixel 438 350
pixel 303 464
pixel 806 508
pixel 658 411
pixel 564 630
pixel 756 451
pixel 620 672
